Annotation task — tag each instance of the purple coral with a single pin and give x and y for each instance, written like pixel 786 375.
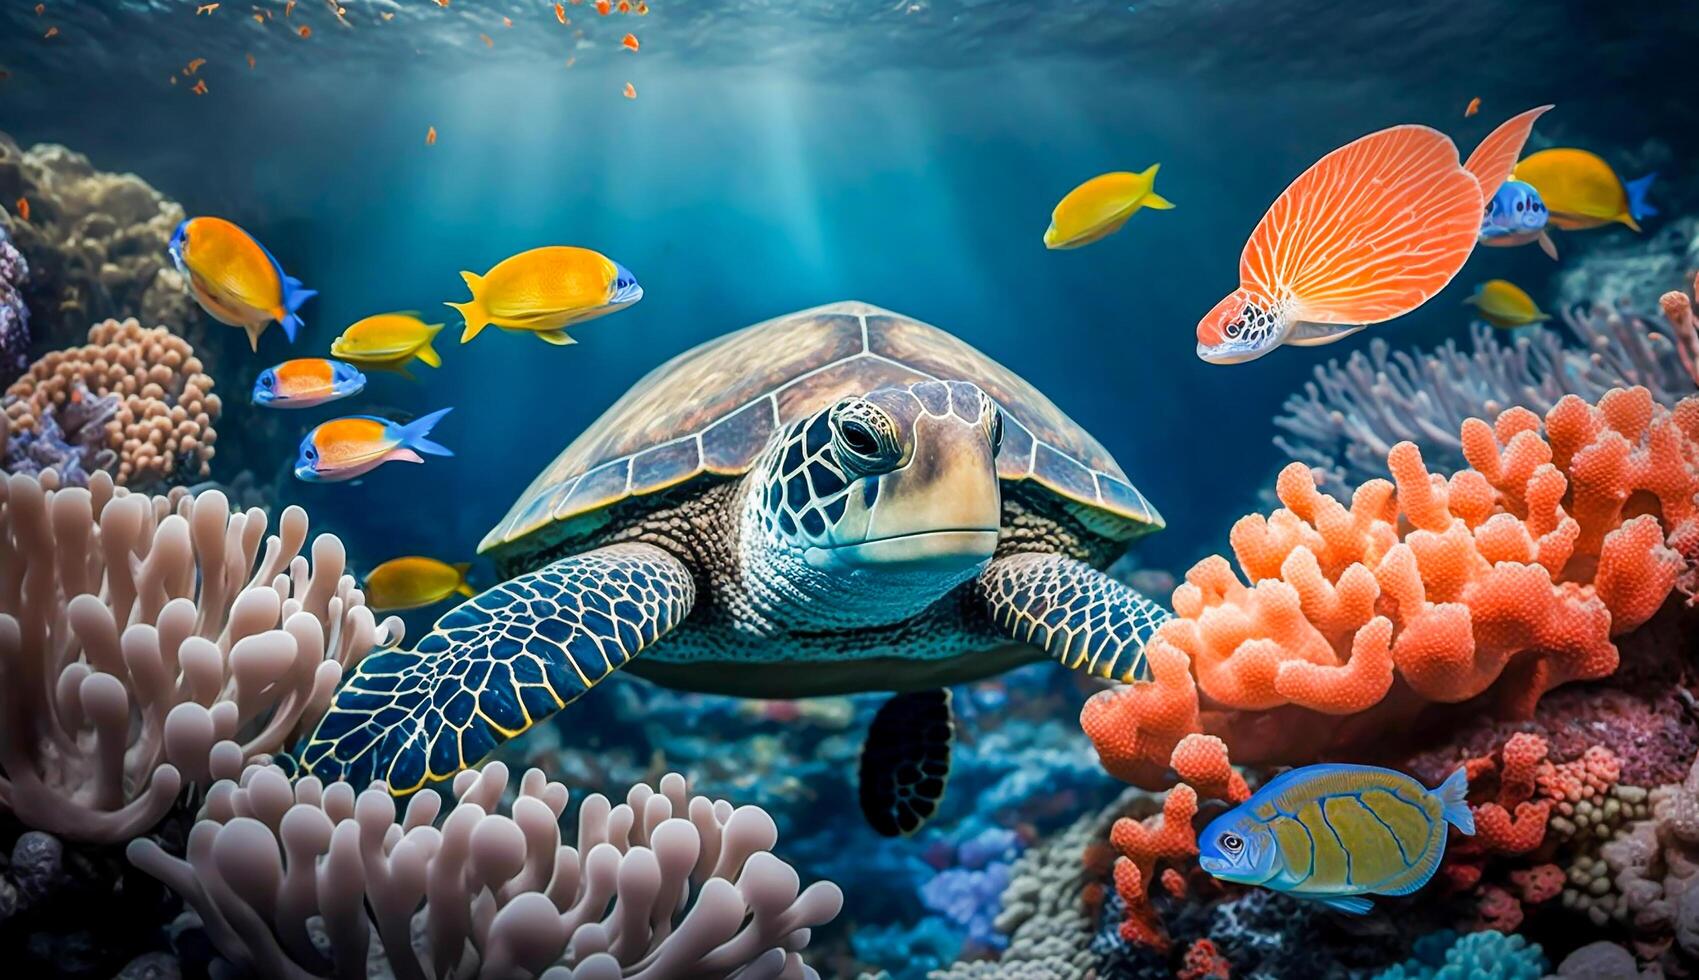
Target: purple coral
pixel 14 315
pixel 662 885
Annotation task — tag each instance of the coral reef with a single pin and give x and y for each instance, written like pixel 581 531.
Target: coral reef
pixel 1631 273
pixel 490 894
pixel 1049 908
pixel 1489 955
pixel 14 314
pixel 143 391
pixel 1344 422
pixel 95 241
pixel 1503 581
pixel 147 641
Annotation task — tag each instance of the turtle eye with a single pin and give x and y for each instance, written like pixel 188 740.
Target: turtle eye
pixel 865 438
pixel 996 429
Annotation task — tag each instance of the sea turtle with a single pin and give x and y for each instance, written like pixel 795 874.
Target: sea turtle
pixel 839 500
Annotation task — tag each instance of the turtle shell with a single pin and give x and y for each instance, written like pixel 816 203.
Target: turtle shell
pixel 712 410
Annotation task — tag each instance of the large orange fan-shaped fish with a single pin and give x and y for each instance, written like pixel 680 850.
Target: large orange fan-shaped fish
pixel 1370 232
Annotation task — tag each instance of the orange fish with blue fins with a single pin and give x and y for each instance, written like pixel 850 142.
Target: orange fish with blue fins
pixel 235 280
pixel 345 448
pixel 307 381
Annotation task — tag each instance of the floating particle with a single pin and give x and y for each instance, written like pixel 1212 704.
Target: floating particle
pixel 23 208
pixel 603 7
pixel 624 6
pixel 571 61
pixel 642 9
pixel 630 91
pixel 250 61
pixel 51 32
pixel 205 8
pixel 507 22
pixel 1474 107
pixel 489 42
pixel 173 79
pixel 442 3
pixel 193 66
pixel 560 12
pixel 305 31
pixel 386 15
pixel 200 87
pixel 629 42
pixel 431 136
pixel 4 74
pixel 288 7
pixel 40 8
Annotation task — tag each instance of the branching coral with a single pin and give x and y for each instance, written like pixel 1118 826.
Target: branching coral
pixel 1684 324
pixel 1655 865
pixel 161 426
pixel 492 894
pixel 1344 422
pixel 96 242
pixel 1505 580
pixel 145 641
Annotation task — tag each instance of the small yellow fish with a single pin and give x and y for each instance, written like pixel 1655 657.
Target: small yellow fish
pixel 1582 191
pixel 1100 206
pixel 388 342
pixel 546 290
pixel 414 582
pixel 1504 304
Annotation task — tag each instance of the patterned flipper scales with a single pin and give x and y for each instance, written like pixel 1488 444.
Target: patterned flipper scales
pixel 1079 615
pixel 906 761
pixel 496 665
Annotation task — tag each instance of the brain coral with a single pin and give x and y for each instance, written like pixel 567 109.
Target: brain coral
pixel 1500 582
pixel 145 641
pixel 663 885
pixel 161 428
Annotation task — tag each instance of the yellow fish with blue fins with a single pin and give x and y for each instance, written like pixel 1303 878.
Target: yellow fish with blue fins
pixel 1100 206
pixel 1333 833
pixel 546 290
pixel 235 280
pixel 1582 191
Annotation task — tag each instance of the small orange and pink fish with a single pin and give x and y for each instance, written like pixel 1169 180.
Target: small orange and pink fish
pixel 235 279
pixel 346 448
pixel 307 381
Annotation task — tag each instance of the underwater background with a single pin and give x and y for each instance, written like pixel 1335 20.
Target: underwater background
pixel 782 155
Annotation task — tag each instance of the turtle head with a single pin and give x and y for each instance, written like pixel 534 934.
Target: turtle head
pixel 900 479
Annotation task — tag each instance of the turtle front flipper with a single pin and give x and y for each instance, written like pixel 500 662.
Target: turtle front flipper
pixel 1079 615
pixel 905 761
pixel 497 664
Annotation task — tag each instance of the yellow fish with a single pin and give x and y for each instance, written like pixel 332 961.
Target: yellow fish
pixel 1100 206
pixel 234 279
pixel 545 291
pixel 1505 304
pixel 414 582
pixel 1582 191
pixel 388 342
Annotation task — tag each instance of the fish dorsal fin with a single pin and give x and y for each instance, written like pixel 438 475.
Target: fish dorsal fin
pixel 1370 232
pixel 1495 158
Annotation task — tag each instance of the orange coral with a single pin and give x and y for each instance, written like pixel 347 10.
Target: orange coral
pixel 1142 844
pixel 1201 760
pixel 1204 962
pixel 163 424
pixel 1505 580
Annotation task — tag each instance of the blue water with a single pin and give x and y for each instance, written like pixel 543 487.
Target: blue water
pixel 785 155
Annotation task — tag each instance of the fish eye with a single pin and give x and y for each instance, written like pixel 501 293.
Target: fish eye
pixel 267 380
pixel 1232 843
pixel 312 455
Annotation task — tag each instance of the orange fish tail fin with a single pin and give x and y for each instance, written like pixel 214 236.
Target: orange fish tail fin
pixel 472 310
pixel 465 586
pixel 1370 232
pixel 1496 157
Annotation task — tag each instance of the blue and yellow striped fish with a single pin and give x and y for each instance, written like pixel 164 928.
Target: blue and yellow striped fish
pixel 1333 832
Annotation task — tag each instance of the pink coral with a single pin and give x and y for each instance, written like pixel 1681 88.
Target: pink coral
pixel 1504 580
